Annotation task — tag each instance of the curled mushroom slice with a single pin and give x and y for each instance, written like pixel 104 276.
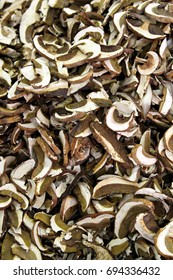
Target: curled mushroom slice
pixel 103 205
pixel 60 87
pixel 20 171
pixel 28 19
pixel 108 139
pixel 146 226
pixel 89 48
pixel 166 102
pixel 59 243
pixel 43 217
pixel 140 156
pixel 32 254
pixel 10 190
pixel 115 122
pixel 91 30
pixel 49 140
pixel 41 47
pixel 69 117
pixel 159 12
pixel 143 249
pixel 73 58
pixel 114 185
pixel 163 241
pixel 96 221
pixel 82 129
pixel 168 139
pixel 42 118
pixel 84 106
pixel 68 207
pixel 150 65
pixel 145 29
pixel 83 194
pixel 109 52
pixel 42 185
pixel 44 164
pixel 57 224
pixel 117 246
pixel 43 77
pixel 4 76
pixel 36 238
pixel 127 214
pixel 82 77
pixel 7 34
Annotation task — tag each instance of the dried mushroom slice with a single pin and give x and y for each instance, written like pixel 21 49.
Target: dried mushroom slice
pixel 150 65
pixel 146 226
pixel 20 172
pixel 43 217
pixel 145 29
pixel 163 241
pixel 114 185
pixel 28 19
pixel 6 251
pixel 159 12
pixel 109 52
pixel 83 194
pixel 36 238
pixel 11 191
pixel 69 117
pixel 118 246
pixel 57 224
pixel 116 123
pixel 141 157
pixel 127 214
pixel 143 249
pixel 16 217
pixel 96 221
pixel 22 237
pixel 32 254
pixel 44 164
pixel 84 106
pixel 168 136
pixel 68 207
pixel 101 253
pixel 109 141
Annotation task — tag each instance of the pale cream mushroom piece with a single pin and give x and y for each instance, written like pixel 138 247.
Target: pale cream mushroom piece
pixel 88 47
pixel 115 122
pixel 143 226
pixel 29 17
pixel 95 221
pixel 91 31
pixel 144 29
pixel 159 12
pixel 150 65
pixel 163 240
pixel 141 157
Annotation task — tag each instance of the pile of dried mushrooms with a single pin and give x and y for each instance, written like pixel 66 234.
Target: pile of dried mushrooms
pixel 86 129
